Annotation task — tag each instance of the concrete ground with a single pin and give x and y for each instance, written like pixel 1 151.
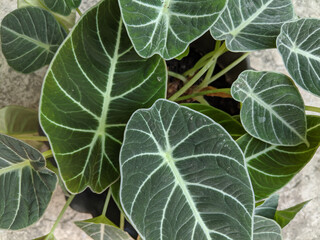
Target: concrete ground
pixel 24 90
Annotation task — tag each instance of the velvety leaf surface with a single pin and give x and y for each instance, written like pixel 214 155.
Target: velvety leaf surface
pixel 273 109
pixel 18 120
pixel 65 21
pixel 283 217
pixel 233 127
pixel 299 45
pixel 63 7
pixel 167 27
pixel 271 167
pixel 30 37
pixel 266 229
pixel 94 84
pixel 268 207
pixel 248 25
pixel 183 177
pixel 101 228
pixel 26 185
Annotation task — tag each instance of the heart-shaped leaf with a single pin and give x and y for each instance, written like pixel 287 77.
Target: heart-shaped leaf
pixel 273 109
pixel 30 37
pixel 183 177
pixel 26 185
pixel 266 229
pixel 248 25
pixel 101 228
pixel 94 84
pixel 268 208
pixel 283 217
pixel 65 21
pixel 271 167
pixel 167 27
pixel 299 45
pixel 18 120
pixel 233 127
pixel 63 7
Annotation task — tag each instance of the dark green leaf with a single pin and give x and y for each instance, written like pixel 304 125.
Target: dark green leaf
pixel 283 217
pixel 266 229
pixel 63 7
pixel 30 37
pixel 271 167
pixel 26 184
pixel 183 177
pixel 248 25
pixel 18 120
pixel 101 228
pixel 299 45
pixel 272 107
pixel 167 27
pixel 268 208
pixel 233 127
pixel 94 84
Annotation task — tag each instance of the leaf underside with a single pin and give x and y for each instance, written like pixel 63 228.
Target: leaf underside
pixel 248 25
pixel 184 176
pixel 30 36
pixel 94 84
pixel 26 185
pixel 299 45
pixel 167 27
pixel 266 229
pixel 268 207
pixel 273 109
pixel 271 167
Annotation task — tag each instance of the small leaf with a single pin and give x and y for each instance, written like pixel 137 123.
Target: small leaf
pixel 283 217
pixel 18 120
pixel 63 7
pixel 167 27
pixel 268 208
pixel 101 228
pixel 26 185
pixel 233 127
pixel 94 84
pixel 272 107
pixel 183 177
pixel 299 45
pixel 248 25
pixel 30 37
pixel 65 21
pixel 271 167
pixel 266 229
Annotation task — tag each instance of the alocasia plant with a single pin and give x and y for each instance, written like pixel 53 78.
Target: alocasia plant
pixel 176 170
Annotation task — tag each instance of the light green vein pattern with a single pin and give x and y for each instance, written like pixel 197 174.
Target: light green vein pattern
pixel 183 177
pixel 94 84
pixel 248 25
pixel 273 109
pixel 26 186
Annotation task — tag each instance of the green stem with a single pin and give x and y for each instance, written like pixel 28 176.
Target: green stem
pixel 201 100
pixel 31 138
pixel 79 12
pixel 121 220
pixel 47 154
pixel 196 77
pixel 106 203
pixel 177 76
pixel 202 61
pixel 193 95
pixel 313 109
pixel 224 71
pixel 60 216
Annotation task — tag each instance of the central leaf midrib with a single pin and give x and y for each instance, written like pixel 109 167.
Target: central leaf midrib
pixel 248 21
pixel 170 161
pixel 14 167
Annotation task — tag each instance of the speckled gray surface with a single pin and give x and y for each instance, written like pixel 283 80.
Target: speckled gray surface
pixel 24 90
